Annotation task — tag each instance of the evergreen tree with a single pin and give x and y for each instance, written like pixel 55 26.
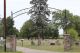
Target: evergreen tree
pixel 39 13
pixel 10 24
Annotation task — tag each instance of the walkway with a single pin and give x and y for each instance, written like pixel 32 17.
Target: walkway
pixel 27 50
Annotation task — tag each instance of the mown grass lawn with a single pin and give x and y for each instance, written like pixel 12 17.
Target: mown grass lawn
pixel 2 50
pixel 45 46
pixel 10 52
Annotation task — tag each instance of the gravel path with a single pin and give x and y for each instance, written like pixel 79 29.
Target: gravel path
pixel 27 50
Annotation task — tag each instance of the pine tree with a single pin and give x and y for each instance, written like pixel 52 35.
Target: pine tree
pixel 39 13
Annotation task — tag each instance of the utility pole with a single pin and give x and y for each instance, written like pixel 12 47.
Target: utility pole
pixel 5 32
pixel 65 20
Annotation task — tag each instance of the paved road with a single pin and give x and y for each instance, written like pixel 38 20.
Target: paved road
pixel 27 50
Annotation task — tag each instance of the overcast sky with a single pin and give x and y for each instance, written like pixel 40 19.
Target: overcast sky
pixel 14 5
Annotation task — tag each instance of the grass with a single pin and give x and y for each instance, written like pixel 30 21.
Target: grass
pixel 45 46
pixel 2 50
pixel 75 49
pixel 10 52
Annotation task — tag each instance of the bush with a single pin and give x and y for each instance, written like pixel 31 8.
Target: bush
pixel 73 33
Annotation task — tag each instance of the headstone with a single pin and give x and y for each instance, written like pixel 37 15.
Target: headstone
pixel 77 43
pixel 52 43
pixel 58 42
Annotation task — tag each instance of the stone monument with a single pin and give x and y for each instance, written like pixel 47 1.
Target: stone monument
pixel 67 42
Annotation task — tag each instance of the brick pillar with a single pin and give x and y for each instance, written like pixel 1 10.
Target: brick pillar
pixel 67 44
pixel 13 43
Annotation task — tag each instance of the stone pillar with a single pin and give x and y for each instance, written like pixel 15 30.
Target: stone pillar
pixel 13 43
pixel 67 44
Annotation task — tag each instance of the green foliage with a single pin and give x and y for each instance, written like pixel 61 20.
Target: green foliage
pixel 39 13
pixel 10 29
pixel 10 24
pixel 62 19
pixel 15 32
pixel 51 32
pixel 73 33
pixel 76 22
pixel 26 28
pixel 66 20
pixel 1 28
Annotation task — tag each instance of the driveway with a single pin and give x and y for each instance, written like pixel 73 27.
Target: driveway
pixel 27 50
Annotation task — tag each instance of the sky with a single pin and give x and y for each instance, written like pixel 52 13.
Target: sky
pixel 15 5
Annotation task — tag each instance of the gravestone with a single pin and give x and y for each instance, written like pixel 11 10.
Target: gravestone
pixel 77 43
pixel 52 43
pixel 58 42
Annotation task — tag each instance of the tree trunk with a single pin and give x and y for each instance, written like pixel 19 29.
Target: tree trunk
pixel 39 40
pixel 32 42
